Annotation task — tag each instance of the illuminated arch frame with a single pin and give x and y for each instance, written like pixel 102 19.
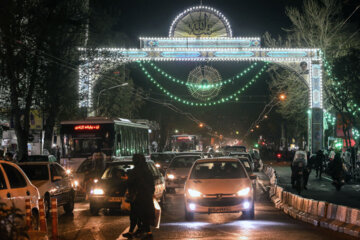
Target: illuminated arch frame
pixel 227 49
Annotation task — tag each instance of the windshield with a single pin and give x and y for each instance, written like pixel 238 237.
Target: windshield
pixel 117 170
pixel 37 158
pixel 235 149
pixel 218 170
pixel 246 163
pixel 183 162
pixel 156 157
pixel 36 172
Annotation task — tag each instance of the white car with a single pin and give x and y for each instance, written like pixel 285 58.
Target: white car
pixel 53 182
pixel 178 171
pixel 219 185
pixel 15 187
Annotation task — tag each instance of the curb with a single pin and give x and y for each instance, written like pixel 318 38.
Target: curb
pixel 318 213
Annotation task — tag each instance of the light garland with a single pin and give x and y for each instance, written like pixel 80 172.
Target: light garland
pixel 209 9
pixel 227 81
pixel 231 97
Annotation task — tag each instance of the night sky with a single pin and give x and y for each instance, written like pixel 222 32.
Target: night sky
pixel 247 19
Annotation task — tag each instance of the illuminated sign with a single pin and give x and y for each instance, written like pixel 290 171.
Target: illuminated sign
pixel 86 127
pixel 184 138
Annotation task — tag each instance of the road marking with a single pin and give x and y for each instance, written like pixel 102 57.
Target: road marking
pixel 327 178
pixel 125 231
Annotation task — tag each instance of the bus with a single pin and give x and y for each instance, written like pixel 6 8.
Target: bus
pixel 118 138
pixel 185 142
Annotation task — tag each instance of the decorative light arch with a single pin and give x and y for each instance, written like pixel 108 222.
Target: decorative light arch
pixel 306 62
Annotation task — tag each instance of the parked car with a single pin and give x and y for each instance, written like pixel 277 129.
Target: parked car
pixel 109 191
pixel 219 185
pixel 52 181
pixel 15 187
pixel 178 171
pixel 228 149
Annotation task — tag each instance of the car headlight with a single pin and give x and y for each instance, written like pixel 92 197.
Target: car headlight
pixel 194 193
pixel 97 191
pixel 170 176
pixel 243 192
pixel 76 183
pixel 157 165
pixel 96 180
pixel 68 171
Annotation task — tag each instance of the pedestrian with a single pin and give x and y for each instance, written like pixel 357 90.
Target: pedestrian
pixel 319 163
pixel 9 157
pixel 336 168
pixel 58 154
pixel 99 162
pixel 141 179
pixel 130 198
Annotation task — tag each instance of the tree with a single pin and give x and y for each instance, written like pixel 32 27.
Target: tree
pixel 20 62
pixel 319 24
pixel 121 101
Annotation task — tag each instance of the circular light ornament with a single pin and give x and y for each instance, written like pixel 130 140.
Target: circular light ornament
pixel 204 83
pixel 200 21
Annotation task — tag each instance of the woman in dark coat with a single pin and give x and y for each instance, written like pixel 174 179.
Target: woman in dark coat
pixel 142 181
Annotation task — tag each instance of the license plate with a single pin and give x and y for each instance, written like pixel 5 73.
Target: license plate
pixel 115 199
pixel 219 210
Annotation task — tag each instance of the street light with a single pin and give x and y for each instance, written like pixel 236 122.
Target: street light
pixel 282 97
pixel 201 125
pixel 105 89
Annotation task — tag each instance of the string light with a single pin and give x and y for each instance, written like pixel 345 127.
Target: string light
pixel 224 82
pixel 232 97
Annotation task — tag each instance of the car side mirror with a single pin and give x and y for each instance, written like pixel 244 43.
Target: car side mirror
pixel 253 177
pixel 56 178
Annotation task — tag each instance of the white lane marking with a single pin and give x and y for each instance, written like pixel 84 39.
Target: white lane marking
pixel 125 231
pixel 327 178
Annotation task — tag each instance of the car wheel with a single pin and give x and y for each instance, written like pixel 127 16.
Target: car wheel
pixel 249 214
pixel 69 207
pixel 94 210
pixel 189 216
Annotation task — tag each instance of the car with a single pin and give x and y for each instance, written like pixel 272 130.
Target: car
pixel 15 187
pixel 236 148
pixel 84 178
pixel 219 185
pixel 178 171
pixel 243 154
pixel 40 158
pixel 109 191
pixel 162 160
pixel 52 181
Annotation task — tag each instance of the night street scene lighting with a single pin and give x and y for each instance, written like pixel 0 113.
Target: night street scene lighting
pixel 180 119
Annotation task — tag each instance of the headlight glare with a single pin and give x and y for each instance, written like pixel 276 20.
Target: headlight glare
pixel 170 176
pixel 243 192
pixel 157 165
pixel 97 191
pixel 194 193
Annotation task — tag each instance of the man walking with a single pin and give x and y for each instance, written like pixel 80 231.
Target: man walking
pixel 319 163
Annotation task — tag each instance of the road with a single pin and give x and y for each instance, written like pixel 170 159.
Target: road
pixel 269 223
pixel 321 189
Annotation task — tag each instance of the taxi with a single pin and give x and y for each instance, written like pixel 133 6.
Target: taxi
pixel 219 185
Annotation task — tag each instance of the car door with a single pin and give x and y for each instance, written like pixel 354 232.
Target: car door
pixel 4 189
pixel 65 183
pixel 18 189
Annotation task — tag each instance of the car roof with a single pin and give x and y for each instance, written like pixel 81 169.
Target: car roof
pixel 222 159
pixel 182 156
pixel 239 153
pixel 34 163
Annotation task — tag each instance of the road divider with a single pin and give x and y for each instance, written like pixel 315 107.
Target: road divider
pixel 319 213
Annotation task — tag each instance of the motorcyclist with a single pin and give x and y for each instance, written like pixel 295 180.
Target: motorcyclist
pixel 299 163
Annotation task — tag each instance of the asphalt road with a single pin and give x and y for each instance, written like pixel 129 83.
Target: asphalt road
pixel 323 190
pixel 269 223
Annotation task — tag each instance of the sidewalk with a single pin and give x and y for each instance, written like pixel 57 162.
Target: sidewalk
pixel 322 190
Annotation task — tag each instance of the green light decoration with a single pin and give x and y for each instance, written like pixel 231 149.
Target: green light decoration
pixel 224 82
pixel 232 97
pixel 202 77
pixel 331 120
pixel 337 85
